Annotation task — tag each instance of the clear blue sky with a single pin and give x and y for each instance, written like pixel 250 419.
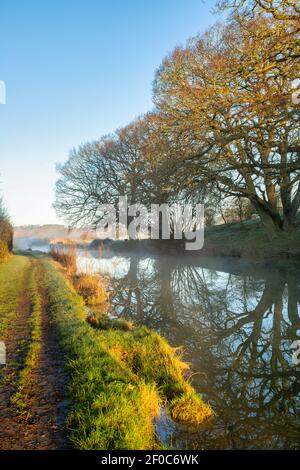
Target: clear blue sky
pixel 74 70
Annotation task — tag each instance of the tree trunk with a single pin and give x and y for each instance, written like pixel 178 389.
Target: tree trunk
pixel 289 224
pixel 276 227
pixel 272 226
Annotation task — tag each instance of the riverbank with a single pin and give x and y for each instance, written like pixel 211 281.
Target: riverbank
pixel 248 240
pixel 102 389
pixel 245 240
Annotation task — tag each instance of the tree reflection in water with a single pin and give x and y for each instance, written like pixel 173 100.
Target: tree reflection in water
pixel 237 330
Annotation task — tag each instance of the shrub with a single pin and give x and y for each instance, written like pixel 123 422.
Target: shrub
pixel 6 232
pixel 6 228
pixel 91 288
pixel 4 252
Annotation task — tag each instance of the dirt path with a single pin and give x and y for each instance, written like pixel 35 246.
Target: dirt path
pixel 11 431
pixel 45 389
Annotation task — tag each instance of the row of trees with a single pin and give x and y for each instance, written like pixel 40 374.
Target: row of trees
pixel 225 127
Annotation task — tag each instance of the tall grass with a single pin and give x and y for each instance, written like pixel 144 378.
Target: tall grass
pixel 67 258
pixel 90 286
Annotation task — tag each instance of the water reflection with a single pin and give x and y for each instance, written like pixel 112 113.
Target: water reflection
pixel 237 325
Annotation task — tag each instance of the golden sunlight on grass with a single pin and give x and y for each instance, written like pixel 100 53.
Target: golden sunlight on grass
pixel 67 258
pixel 190 409
pixel 91 287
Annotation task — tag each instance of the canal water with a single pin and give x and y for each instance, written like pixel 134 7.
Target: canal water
pixel 238 323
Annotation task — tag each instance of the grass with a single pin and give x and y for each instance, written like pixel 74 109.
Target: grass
pixel 248 239
pixel 108 410
pixel 12 274
pixel 34 344
pixel 67 258
pixel 189 409
pixel 151 358
pixel 103 322
pixel 119 375
pixel 16 275
pixel 118 378
pixel 91 288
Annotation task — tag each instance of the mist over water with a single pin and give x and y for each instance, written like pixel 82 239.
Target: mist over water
pixel 27 243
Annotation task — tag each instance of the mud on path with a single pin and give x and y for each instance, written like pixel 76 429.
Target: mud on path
pixel 45 391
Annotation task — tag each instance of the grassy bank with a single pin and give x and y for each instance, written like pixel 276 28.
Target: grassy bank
pixel 238 239
pixel 118 379
pixel 248 240
pixel 118 375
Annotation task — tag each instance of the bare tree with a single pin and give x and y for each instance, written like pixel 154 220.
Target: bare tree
pixel 122 164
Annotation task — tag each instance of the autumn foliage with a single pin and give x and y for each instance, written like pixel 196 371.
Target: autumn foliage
pixel 225 127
